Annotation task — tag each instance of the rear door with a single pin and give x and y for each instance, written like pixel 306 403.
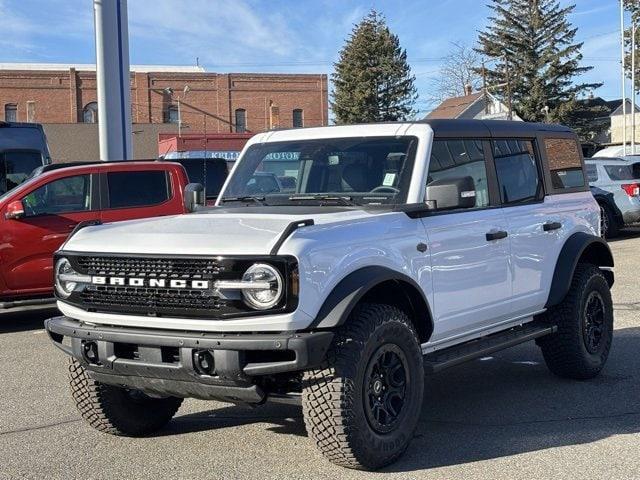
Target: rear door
pixel 539 221
pixel 469 247
pixel 519 174
pixel 52 211
pixel 131 194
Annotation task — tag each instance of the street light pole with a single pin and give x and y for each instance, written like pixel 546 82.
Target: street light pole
pixel 633 87
pixel 185 90
pixel 179 118
pixel 624 90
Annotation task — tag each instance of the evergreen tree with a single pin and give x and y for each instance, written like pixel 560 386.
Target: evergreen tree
pixel 633 7
pixel 536 60
pixel 372 79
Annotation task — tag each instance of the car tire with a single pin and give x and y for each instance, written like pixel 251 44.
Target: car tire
pixel 581 345
pixel 116 410
pixel 609 227
pixel 362 408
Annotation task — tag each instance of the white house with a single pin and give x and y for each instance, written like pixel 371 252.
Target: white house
pixel 478 106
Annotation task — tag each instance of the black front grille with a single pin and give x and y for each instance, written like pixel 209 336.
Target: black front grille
pixel 166 301
pixel 149 299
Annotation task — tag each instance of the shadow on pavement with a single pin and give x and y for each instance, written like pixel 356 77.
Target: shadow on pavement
pixel 24 320
pixel 500 406
pixel 626 234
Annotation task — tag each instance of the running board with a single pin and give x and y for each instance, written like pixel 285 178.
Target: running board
pixel 27 303
pixel 449 357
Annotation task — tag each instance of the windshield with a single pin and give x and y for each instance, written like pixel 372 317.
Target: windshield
pixel 16 166
pixel 623 172
pixel 349 171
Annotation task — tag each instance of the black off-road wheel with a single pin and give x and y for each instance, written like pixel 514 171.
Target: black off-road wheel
pixel 119 411
pixel 362 408
pixel 580 347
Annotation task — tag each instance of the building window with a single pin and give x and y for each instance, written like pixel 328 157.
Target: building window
pixel 172 115
pixel 31 111
pixel 298 121
pixel 241 120
pixel 90 113
pixel 11 112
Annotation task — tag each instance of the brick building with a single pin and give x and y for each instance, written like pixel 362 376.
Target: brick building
pixel 63 98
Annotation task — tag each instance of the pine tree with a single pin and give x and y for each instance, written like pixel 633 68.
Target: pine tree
pixel 633 7
pixel 531 43
pixel 372 79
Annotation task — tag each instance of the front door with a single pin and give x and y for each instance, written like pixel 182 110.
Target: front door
pixel 52 211
pixel 469 248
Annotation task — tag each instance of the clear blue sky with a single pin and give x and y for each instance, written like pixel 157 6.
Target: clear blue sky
pixel 281 35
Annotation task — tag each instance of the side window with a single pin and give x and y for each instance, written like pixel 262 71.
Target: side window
pixel 592 172
pixel 137 189
pixel 66 195
pixel 460 158
pixel 564 163
pixel 517 170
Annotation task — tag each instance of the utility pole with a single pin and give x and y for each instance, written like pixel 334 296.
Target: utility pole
pixel 624 89
pixel 633 87
pixel 112 78
pixel 509 100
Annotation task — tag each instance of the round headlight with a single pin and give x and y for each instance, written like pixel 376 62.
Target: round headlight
pixel 64 287
pixel 262 298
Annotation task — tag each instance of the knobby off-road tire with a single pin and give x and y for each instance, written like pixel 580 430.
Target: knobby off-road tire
pixel 116 410
pixel 362 408
pixel 580 347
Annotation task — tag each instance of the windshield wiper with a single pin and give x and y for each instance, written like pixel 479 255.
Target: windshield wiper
pixel 246 198
pixel 342 200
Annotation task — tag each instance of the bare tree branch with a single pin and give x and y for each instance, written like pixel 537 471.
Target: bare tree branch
pixel 458 69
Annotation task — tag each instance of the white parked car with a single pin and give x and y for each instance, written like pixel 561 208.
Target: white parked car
pixel 620 179
pixel 383 252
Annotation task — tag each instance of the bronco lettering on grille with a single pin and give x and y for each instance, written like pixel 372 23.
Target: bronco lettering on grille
pixel 152 282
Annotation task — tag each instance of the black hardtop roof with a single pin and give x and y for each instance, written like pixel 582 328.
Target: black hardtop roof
pixel 453 127
pixel 4 124
pixel 490 128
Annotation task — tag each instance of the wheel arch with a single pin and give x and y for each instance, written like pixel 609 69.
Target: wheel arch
pixel 376 284
pixel 606 201
pixel 579 248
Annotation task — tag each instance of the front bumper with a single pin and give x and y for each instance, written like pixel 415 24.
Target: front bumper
pixel 164 362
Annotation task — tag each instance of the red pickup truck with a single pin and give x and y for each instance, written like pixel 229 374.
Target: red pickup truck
pixel 37 216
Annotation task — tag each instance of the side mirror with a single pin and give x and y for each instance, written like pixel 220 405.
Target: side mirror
pixel 451 193
pixel 15 210
pixel 193 197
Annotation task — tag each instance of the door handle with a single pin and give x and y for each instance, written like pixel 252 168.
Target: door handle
pixel 498 235
pixel 547 227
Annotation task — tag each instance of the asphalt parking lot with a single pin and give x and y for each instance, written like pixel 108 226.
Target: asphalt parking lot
pixel 502 417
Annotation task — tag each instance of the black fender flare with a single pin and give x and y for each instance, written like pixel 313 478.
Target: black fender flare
pixel 351 289
pixel 579 246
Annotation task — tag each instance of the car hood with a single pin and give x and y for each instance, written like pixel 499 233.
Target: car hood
pixel 224 233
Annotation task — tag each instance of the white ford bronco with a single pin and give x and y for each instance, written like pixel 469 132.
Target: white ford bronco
pixel 339 266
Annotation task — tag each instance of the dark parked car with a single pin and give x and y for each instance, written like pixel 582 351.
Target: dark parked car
pixel 23 147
